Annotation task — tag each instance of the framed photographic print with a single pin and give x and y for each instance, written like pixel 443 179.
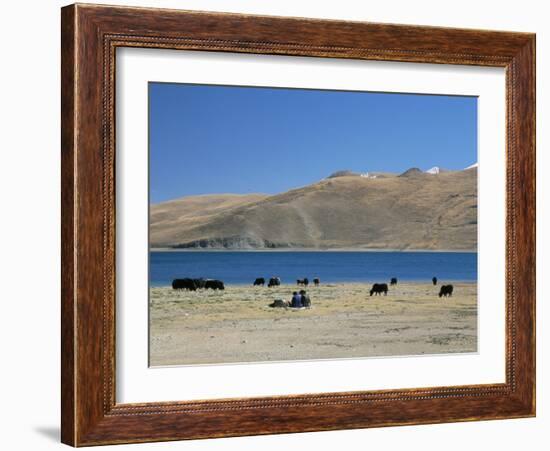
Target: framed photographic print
pixel 279 225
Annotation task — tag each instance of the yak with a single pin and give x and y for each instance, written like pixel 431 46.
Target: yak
pixel 393 281
pixel 274 282
pixel 259 281
pixel 316 281
pixel 214 284
pixel 379 288
pixel 446 290
pixel 184 284
pixel 434 280
pixel 304 281
pixel 199 283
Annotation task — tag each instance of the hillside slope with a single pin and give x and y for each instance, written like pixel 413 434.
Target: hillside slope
pixel 413 211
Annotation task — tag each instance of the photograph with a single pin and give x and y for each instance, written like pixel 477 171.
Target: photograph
pixel 294 224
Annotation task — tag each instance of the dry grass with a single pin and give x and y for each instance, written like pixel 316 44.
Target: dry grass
pixel 237 325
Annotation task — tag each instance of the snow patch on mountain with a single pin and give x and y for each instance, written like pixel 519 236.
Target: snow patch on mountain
pixel 434 170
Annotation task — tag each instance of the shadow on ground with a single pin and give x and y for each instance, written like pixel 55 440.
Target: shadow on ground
pixel 51 432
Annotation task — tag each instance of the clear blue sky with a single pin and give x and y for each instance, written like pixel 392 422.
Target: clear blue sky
pixel 229 139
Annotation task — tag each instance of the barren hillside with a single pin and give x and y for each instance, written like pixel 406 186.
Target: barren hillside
pixel 413 211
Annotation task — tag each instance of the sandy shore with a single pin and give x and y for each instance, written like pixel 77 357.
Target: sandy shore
pixel 237 325
pixel 306 249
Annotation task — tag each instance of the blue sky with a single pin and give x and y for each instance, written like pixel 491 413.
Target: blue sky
pixel 229 139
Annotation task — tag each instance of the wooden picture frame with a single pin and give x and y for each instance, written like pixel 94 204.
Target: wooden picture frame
pixel 90 36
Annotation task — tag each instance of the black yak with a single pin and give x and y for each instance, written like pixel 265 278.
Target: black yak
pixel 214 284
pixel 446 290
pixel 393 281
pixel 434 280
pixel 316 281
pixel 304 281
pixel 184 284
pixel 199 283
pixel 379 288
pixel 259 281
pixel 274 282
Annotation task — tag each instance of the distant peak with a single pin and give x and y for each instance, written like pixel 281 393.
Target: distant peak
pixel 434 170
pixel 343 173
pixel 411 172
pixel 472 166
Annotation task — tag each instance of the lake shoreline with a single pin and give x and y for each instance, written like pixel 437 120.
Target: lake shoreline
pixel 340 282
pixel 299 249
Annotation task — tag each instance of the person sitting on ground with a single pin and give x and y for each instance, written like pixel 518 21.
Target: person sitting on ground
pixel 306 301
pixel 296 300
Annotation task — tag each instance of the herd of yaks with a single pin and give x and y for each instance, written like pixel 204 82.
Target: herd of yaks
pixel 214 284
pixel 194 284
pixel 276 281
pixel 379 288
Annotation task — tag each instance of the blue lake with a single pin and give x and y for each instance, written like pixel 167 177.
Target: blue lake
pixel 241 267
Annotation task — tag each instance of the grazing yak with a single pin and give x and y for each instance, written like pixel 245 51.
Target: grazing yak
pixel 259 281
pixel 446 290
pixel 434 280
pixel 274 282
pixel 199 283
pixel 214 284
pixel 379 288
pixel 184 284
pixel 393 281
pixel 316 281
pixel 304 281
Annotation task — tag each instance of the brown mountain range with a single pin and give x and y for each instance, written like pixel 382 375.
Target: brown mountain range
pixel 415 210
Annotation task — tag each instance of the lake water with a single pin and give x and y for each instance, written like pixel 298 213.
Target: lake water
pixel 243 267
